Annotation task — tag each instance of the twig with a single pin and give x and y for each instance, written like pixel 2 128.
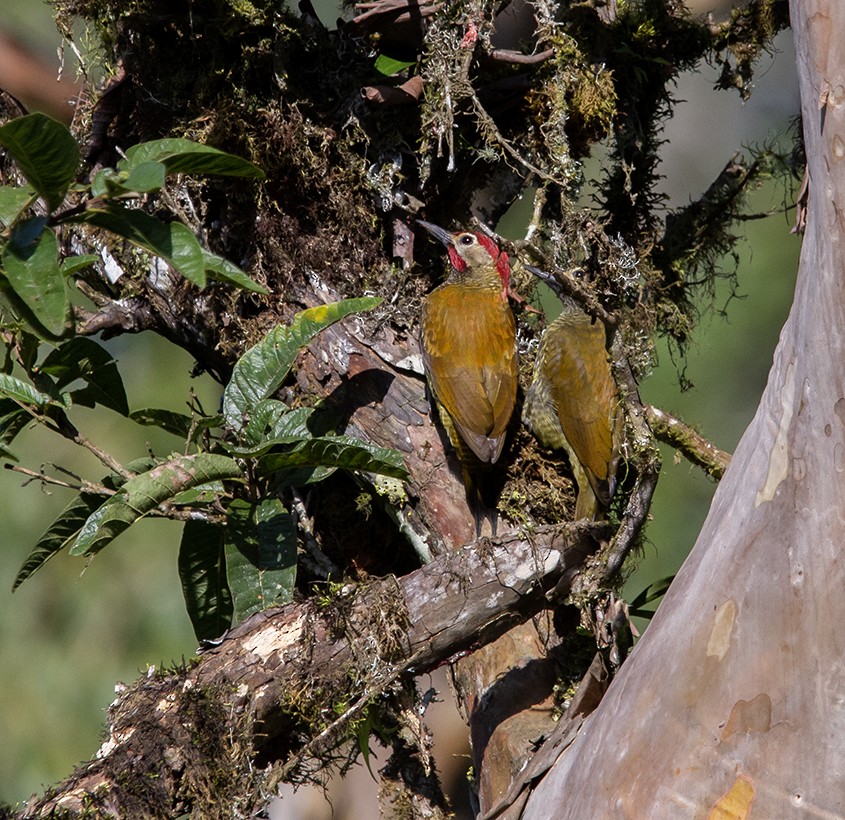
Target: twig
pixel 564 284
pixel 635 515
pixel 167 510
pixel 321 565
pixel 687 441
pixel 330 732
pixel 490 128
pixel 72 434
pixel 82 487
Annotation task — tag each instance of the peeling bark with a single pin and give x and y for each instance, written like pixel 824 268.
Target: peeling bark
pixel 265 680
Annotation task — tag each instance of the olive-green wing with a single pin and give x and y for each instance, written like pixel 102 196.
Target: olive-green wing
pixel 469 352
pixel 582 390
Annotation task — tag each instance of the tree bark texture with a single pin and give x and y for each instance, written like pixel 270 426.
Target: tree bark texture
pixel 257 691
pixel 731 705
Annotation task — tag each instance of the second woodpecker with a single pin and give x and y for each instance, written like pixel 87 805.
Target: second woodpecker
pixel 469 351
pixel 573 405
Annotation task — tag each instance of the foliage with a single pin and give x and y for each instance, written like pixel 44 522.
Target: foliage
pixel 237 555
pixel 32 276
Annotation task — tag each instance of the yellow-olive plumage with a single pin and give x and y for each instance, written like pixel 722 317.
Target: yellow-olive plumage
pixel 469 349
pixel 573 404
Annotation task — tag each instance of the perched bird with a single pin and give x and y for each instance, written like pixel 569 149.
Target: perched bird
pixel 573 404
pixel 469 353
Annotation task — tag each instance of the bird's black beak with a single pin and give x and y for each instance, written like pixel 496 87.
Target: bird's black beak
pixel 540 274
pixel 438 233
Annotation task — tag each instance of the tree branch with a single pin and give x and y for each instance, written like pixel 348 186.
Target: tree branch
pixel 687 441
pixel 275 677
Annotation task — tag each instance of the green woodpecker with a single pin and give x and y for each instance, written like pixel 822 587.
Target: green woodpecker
pixel 469 352
pixel 573 404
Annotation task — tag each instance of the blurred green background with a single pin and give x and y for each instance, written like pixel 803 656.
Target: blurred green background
pixel 73 630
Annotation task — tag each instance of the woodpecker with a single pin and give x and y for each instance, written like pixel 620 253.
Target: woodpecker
pixel 573 404
pixel 468 339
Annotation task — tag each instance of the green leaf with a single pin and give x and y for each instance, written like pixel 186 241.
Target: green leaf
pixel 335 451
pixel 181 156
pixel 26 235
pixel 23 392
pixel 201 494
pixel 83 358
pixel 142 179
pixel 13 200
pixel 362 732
pixel 46 153
pixel 651 593
pixel 104 179
pixel 225 271
pixel 72 264
pixel 260 371
pixel 32 271
pixel 272 419
pixel 260 556
pixel 202 570
pixel 145 492
pixel 66 526
pixel 13 418
pixel 145 177
pixel 172 241
pixel 177 423
pixel 389 66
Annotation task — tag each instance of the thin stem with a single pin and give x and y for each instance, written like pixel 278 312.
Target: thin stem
pixel 82 486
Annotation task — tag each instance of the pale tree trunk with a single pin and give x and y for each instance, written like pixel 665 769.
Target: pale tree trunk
pixel 732 703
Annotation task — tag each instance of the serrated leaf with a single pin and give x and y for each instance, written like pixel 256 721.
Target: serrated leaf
pixel 32 270
pixel 202 571
pixel 83 358
pixel 225 271
pixel 260 371
pixel 260 556
pixel 182 156
pixel 145 492
pixel 46 153
pixel 13 200
pixel 172 241
pixel 66 526
pixel 339 452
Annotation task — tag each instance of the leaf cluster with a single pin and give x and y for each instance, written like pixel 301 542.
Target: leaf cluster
pixel 239 544
pixel 33 276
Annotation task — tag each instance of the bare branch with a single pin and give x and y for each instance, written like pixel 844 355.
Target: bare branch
pixel 504 55
pixel 82 486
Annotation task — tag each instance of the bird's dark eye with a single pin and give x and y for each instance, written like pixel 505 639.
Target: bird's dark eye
pixel 467 239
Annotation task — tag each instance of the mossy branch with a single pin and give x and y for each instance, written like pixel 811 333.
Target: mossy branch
pixel 274 677
pixel 687 441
